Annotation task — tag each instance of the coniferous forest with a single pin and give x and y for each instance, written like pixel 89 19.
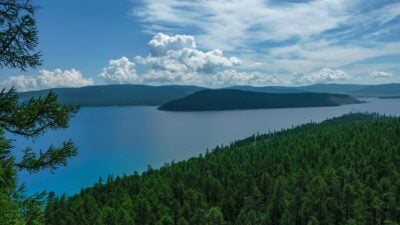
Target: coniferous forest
pixel 344 170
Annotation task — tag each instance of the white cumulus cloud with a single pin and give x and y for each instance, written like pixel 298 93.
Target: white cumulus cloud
pixel 380 74
pixel 47 79
pixel 172 60
pixel 179 54
pixel 120 71
pixel 325 75
pixel 162 43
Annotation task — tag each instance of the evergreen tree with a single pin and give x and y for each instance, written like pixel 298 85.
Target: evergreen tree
pixel 31 119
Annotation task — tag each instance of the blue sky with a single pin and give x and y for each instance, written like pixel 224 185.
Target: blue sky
pixel 214 43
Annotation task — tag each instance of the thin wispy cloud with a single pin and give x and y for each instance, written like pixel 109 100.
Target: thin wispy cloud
pixel 289 36
pixel 233 24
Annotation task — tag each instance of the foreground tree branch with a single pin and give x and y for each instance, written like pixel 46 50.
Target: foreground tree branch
pixel 31 119
pixel 18 34
pixel 50 159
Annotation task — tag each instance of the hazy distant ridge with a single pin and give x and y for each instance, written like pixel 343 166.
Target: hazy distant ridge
pixel 130 95
pixel 117 95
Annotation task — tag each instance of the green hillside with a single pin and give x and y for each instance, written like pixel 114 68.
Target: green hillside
pixel 116 95
pixel 341 171
pixel 229 99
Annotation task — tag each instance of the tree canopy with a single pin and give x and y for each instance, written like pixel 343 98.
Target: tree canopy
pixel 341 171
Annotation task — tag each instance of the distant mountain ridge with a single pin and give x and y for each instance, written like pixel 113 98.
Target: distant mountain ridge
pixel 116 95
pixel 231 99
pixel 131 95
pixel 382 90
pixel 268 89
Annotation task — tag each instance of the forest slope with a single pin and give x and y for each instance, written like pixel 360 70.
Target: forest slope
pixel 341 171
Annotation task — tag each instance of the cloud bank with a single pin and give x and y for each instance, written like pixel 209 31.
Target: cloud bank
pixel 325 75
pixel 47 79
pixel 176 60
pixel 179 54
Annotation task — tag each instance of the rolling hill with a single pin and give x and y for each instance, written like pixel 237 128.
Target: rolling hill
pixel 229 99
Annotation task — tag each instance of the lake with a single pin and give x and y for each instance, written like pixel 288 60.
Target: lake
pixel 118 140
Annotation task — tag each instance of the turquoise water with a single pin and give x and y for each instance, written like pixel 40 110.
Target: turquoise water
pixel 117 140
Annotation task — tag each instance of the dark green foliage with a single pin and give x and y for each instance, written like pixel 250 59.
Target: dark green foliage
pixel 342 171
pixel 229 99
pixel 29 119
pixel 18 35
pixel 116 95
pixel 9 209
pixel 51 159
pixel 33 117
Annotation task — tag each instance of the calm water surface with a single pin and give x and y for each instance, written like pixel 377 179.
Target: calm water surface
pixel 117 140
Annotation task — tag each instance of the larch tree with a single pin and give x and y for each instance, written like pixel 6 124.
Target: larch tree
pixel 31 119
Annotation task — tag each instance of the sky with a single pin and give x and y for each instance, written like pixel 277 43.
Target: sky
pixel 213 43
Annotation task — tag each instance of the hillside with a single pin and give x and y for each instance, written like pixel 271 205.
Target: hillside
pixel 356 90
pixel 332 88
pixel 382 90
pixel 229 99
pixel 341 171
pixel 116 95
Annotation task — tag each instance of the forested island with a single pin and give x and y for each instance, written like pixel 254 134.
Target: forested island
pixel 341 171
pixel 230 99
